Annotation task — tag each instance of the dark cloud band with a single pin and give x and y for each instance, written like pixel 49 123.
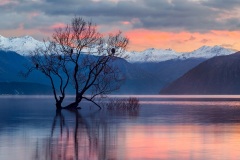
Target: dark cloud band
pixel 170 15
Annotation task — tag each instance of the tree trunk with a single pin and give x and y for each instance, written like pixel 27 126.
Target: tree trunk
pixel 59 105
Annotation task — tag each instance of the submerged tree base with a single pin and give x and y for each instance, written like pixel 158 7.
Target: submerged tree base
pixel 68 108
pixel 72 106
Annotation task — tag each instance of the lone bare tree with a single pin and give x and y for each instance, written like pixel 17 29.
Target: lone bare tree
pixel 79 55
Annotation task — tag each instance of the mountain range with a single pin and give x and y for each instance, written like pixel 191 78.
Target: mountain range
pixel 218 75
pixel 147 72
pixel 24 45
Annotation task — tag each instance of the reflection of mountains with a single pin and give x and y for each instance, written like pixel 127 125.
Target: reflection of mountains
pixel 189 112
pixel 216 114
pixel 91 137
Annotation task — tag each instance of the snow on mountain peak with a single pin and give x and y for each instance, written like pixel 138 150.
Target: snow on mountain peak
pixel 158 55
pixel 210 49
pixel 207 52
pixel 25 44
pixel 22 45
pixel 152 55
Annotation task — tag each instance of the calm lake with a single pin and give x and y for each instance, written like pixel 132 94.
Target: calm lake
pixel 163 127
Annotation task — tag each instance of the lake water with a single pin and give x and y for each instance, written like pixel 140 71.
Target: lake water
pixel 164 127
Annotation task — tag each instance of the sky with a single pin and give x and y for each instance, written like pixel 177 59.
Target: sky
pixel 182 25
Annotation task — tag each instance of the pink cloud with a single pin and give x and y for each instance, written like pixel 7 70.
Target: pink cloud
pixel 33 14
pixel 125 22
pixel 6 2
pixel 141 39
pixel 57 25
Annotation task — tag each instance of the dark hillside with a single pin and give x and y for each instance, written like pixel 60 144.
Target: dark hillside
pixel 218 75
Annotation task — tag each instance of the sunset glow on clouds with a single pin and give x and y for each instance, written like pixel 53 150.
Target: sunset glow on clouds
pixel 182 41
pixel 183 25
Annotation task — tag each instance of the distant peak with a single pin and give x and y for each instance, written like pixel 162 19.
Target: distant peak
pixel 154 49
pixel 13 38
pixel 205 47
pixel 22 45
pixel 169 49
pixel 217 46
pixel 22 37
pixel 209 48
pixel 1 37
pixel 27 37
pixel 151 49
pixel 212 47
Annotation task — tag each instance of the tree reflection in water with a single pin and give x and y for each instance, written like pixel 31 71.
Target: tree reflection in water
pixel 84 136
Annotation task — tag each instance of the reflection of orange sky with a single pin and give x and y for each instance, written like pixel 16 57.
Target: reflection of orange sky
pixel 183 142
pixel 182 41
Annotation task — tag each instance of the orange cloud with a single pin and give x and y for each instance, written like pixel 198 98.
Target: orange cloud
pixel 141 39
pixel 57 25
pixel 126 22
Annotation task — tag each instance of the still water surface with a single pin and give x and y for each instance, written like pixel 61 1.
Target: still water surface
pixel 162 128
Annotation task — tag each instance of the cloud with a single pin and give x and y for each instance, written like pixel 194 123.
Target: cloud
pixel 191 38
pixel 204 41
pixel 174 15
pixel 6 3
pixel 221 4
pixel 227 45
pixel 151 18
pixel 141 39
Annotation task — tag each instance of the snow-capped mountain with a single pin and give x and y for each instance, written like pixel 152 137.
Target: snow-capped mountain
pixel 152 55
pixel 21 45
pixel 207 52
pixel 24 45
